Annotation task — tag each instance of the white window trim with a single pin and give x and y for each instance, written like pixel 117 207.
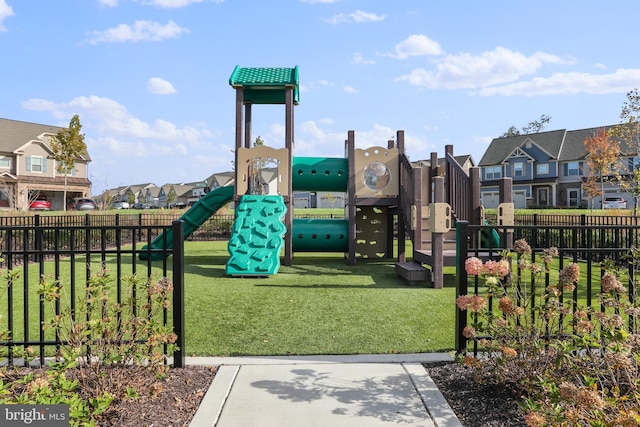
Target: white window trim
pixel 40 164
pixel 521 168
pixel 539 166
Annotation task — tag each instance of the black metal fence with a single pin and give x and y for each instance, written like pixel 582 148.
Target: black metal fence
pixel 587 245
pixel 595 219
pixel 69 254
pixel 217 227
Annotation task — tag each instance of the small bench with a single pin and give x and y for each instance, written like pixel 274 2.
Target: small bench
pixel 413 272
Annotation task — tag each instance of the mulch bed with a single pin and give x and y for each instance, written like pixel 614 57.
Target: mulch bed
pixel 476 405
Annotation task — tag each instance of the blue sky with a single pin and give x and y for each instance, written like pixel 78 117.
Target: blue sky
pixel 150 78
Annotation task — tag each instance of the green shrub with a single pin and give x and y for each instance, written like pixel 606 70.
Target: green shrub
pixel 110 351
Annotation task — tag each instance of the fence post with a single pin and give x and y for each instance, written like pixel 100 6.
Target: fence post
pixel 178 292
pixel 462 246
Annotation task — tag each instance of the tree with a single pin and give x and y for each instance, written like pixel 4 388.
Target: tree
pixel 7 191
pixel 67 146
pixel 628 135
pixel 602 153
pixel 537 125
pixel 533 127
pixel 591 189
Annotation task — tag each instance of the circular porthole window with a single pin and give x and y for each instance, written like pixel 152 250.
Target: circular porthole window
pixel 376 176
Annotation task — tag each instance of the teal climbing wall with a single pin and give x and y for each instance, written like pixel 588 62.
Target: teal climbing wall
pixel 257 236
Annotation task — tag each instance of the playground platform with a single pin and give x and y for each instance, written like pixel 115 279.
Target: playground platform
pixel 353 391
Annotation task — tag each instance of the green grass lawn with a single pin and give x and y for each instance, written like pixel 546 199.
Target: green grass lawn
pixel 320 305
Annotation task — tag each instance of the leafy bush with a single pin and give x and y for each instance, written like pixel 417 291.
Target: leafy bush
pixel 575 365
pixel 110 350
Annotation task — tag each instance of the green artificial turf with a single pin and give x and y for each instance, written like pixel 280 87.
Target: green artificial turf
pixel 320 305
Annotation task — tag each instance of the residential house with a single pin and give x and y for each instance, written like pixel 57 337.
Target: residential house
pixel 221 179
pixel 131 194
pixel 546 168
pixel 28 170
pixel 177 194
pixel 156 197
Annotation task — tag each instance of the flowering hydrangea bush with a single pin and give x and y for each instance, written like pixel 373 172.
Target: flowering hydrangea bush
pixel 574 364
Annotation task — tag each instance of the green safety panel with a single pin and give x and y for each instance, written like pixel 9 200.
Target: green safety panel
pixel 257 236
pixel 319 174
pixel 266 85
pixel 320 235
pixel 193 218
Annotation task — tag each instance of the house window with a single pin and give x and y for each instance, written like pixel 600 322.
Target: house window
pixel 5 162
pixel 493 172
pixel 573 197
pixel 36 164
pixel 573 169
pixel 542 168
pixel 518 169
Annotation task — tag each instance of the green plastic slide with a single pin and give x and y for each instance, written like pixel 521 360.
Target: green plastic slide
pixel 194 217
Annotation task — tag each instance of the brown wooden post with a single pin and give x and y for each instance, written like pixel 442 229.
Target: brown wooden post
pixel 448 176
pixel 476 206
pixel 402 207
pixel 247 125
pixel 351 209
pixel 437 239
pixel 474 202
pixel 288 198
pixel 417 201
pixel 239 127
pixel 505 195
pixel 388 251
pixel 433 172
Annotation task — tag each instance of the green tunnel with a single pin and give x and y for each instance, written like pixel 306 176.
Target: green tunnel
pixel 320 235
pixel 319 174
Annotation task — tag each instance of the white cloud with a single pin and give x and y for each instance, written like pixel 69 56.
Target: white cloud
pixel 467 71
pixel 350 89
pixel 356 17
pixel 126 149
pixel 108 3
pixel 110 118
pixel 139 31
pixel 160 86
pixel 416 45
pixel 5 12
pixel 359 59
pixel 570 84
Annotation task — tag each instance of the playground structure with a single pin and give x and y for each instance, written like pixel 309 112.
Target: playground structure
pixel 383 187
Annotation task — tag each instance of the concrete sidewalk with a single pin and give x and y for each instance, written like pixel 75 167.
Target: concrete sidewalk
pixel 336 391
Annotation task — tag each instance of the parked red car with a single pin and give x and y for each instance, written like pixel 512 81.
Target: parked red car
pixel 40 204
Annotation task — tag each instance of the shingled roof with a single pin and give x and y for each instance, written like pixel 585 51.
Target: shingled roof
pixel 266 85
pixel 562 145
pixel 500 148
pixel 15 134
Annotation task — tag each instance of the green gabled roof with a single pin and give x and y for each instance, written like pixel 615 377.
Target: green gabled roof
pixel 266 85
